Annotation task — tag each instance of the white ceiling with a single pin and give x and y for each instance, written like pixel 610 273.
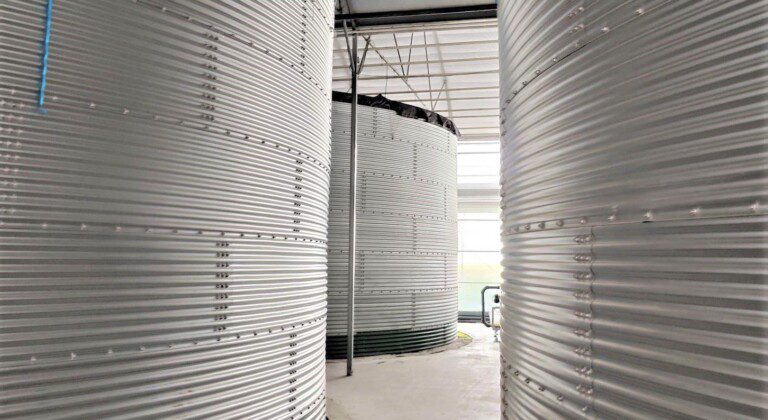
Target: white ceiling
pixel 453 70
pixel 373 6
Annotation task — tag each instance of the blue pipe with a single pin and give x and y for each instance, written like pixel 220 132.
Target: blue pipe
pixel 46 49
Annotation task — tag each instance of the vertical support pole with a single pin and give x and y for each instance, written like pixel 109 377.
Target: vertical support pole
pixel 352 211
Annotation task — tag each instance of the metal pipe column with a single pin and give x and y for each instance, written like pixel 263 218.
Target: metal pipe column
pixel 352 211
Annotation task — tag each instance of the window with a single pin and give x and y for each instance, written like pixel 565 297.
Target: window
pixel 479 258
pixel 479 223
pixel 478 164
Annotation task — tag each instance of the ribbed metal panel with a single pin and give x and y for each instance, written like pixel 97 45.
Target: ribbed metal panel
pixel 406 278
pixel 164 224
pixel 634 193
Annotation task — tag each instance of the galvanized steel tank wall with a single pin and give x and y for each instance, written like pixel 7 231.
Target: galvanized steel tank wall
pixel 634 206
pixel 406 280
pixel 164 221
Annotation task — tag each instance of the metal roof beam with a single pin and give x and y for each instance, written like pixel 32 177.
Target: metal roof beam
pixel 413 76
pixel 467 109
pixel 399 17
pixel 487 127
pixel 471 98
pixel 442 44
pixel 449 60
pixel 402 77
pixel 464 117
pixel 436 26
pixel 407 92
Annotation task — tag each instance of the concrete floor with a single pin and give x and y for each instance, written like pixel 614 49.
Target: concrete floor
pixel 461 382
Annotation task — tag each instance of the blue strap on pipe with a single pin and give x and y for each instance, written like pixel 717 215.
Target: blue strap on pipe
pixel 44 63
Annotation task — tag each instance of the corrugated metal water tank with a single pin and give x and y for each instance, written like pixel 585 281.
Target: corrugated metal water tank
pixel 634 205
pixel 163 233
pixel 406 284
